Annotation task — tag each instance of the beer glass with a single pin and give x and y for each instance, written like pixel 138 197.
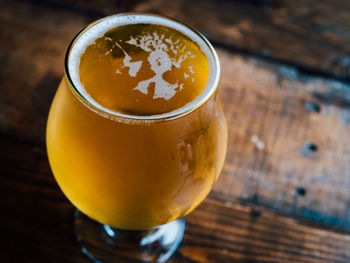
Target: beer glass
pixel 133 177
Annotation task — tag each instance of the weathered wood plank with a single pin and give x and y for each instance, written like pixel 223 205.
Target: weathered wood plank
pixel 284 153
pixel 307 33
pixel 314 35
pixel 32 49
pixel 36 223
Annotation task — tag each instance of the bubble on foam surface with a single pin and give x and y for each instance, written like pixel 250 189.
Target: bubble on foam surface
pixel 158 58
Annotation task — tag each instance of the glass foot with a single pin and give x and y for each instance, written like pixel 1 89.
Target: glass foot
pixel 106 244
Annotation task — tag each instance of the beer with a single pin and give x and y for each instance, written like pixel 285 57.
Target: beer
pixel 143 69
pixel 136 135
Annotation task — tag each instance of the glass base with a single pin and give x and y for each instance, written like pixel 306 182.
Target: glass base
pixel 106 244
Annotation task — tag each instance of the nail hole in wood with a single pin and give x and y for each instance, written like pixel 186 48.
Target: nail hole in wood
pixel 312 106
pixel 301 191
pixel 311 147
pixel 255 213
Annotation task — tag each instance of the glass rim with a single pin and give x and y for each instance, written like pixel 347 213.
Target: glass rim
pixel 209 89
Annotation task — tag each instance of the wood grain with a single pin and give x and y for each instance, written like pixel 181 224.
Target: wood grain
pixel 308 34
pixel 314 36
pixel 32 50
pixel 266 104
pixel 289 143
pixel 301 162
pixel 36 223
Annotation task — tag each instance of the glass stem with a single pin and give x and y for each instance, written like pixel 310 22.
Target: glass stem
pixel 105 244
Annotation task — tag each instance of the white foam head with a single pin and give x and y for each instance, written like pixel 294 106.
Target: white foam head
pixel 100 27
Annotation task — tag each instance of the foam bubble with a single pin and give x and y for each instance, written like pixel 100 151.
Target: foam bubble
pixel 99 28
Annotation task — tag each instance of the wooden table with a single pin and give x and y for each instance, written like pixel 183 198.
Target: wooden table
pixel 284 194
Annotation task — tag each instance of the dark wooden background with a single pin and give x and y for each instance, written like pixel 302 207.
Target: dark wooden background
pixel 284 194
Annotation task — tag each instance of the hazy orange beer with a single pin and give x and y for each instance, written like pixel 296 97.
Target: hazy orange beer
pixel 136 134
